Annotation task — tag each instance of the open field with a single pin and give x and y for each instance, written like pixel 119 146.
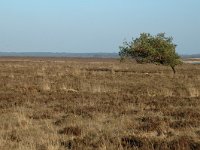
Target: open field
pixel 192 60
pixel 74 103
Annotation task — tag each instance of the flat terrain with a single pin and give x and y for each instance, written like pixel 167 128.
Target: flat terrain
pixel 65 103
pixel 192 60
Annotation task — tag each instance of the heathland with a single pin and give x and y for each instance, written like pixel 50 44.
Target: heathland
pixel 79 103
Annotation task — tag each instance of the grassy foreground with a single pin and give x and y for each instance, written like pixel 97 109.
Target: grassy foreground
pixel 60 104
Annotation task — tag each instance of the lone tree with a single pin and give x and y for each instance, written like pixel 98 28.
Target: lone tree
pixel 157 49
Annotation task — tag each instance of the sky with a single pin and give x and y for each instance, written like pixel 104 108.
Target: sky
pixel 80 26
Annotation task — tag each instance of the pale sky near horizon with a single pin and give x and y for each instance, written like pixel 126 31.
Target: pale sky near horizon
pixel 95 25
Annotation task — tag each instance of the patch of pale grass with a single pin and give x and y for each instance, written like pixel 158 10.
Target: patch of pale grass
pixel 45 85
pixel 194 92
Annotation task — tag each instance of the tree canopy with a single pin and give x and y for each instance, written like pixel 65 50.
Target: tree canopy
pixel 157 49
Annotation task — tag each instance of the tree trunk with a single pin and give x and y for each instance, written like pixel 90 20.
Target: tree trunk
pixel 173 68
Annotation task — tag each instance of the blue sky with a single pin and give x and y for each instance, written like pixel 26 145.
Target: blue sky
pixel 95 25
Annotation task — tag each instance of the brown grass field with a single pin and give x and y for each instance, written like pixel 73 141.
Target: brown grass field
pixel 76 103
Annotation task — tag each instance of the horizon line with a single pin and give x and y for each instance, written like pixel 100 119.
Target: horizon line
pixel 82 52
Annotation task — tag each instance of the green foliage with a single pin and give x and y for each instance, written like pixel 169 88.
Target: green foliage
pixel 157 49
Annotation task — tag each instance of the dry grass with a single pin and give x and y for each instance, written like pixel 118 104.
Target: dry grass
pixel 60 103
